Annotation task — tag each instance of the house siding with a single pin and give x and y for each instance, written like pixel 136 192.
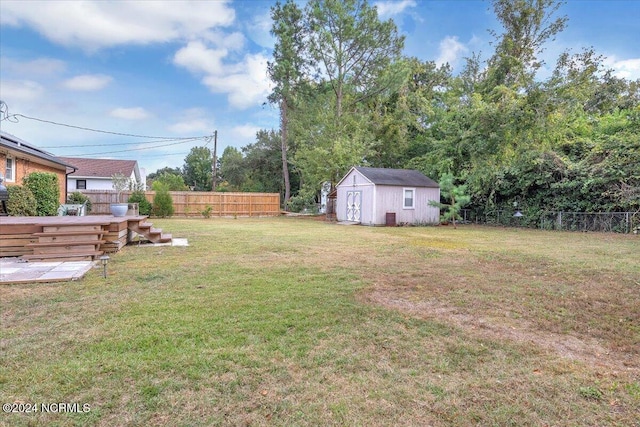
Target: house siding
pixel 23 167
pixel 92 183
pixel 390 199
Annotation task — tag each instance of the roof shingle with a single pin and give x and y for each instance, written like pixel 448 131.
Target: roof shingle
pixel 404 177
pixel 100 168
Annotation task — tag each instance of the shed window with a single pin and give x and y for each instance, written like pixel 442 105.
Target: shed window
pixel 408 198
pixel 9 171
pixel 81 184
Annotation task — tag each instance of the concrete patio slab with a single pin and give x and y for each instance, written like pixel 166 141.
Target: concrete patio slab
pixel 15 270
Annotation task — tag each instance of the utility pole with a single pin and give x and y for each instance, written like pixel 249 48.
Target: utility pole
pixel 214 166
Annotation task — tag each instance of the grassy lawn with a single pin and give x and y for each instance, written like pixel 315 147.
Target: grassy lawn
pixel 292 321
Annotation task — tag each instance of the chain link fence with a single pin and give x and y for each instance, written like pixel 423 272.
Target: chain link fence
pixel 609 222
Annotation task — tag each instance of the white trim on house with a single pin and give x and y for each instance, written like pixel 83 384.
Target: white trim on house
pixel 10 171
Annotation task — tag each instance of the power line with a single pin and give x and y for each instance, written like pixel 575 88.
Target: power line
pixel 116 144
pixel 14 118
pixel 147 148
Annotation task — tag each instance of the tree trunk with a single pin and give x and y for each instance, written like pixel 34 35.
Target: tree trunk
pixel 284 124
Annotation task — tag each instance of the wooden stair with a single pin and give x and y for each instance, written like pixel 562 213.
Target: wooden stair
pixel 67 242
pixel 146 229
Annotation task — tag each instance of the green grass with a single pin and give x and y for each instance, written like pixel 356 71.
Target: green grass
pixel 301 322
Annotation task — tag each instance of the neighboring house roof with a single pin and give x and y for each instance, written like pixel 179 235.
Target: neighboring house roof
pixel 102 168
pixel 399 177
pixel 16 144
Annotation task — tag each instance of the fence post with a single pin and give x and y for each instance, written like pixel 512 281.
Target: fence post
pixel 559 221
pixel 627 223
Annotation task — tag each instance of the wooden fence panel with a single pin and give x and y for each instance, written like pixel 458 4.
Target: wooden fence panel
pixel 195 203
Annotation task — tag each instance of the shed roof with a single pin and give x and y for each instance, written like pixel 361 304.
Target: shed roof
pixel 399 177
pixel 14 143
pixel 101 168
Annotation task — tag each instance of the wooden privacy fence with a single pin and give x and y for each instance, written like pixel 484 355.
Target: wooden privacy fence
pixel 196 203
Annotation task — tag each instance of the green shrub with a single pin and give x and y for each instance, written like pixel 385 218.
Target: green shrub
pixel 21 201
pixel 207 212
pixel 77 198
pixel 300 202
pixel 144 205
pixel 162 201
pixel 45 188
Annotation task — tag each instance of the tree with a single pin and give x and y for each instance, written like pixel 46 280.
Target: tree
pixel 120 183
pixel 172 181
pixel 528 25
pixel 350 51
pixel 263 165
pixel 162 201
pixel 286 72
pixel 351 46
pixel 197 169
pixel 456 198
pixel 166 170
pixel 232 168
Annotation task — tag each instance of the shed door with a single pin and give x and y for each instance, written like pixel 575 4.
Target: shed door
pixel 354 200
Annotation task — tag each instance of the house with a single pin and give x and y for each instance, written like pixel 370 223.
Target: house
pixel 95 174
pixel 378 196
pixel 19 158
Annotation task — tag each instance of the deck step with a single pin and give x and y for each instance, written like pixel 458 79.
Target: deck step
pixel 69 233
pixel 67 256
pixel 150 233
pixel 66 244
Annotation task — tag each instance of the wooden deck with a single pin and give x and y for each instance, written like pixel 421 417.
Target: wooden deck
pixel 72 238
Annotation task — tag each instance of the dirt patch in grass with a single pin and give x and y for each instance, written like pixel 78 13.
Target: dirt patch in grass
pixel 552 299
pixel 584 349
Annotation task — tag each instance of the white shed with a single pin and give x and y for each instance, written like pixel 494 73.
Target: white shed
pixel 379 196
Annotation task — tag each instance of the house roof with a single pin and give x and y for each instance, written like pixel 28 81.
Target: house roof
pixel 102 168
pixel 16 144
pixel 399 177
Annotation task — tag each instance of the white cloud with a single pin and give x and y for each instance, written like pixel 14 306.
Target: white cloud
pixel 450 51
pixel 95 24
pixel 193 121
pixel 245 83
pixel 244 133
pixel 37 67
pixel 387 9
pixel 197 58
pixel 627 68
pixel 192 126
pixel 20 90
pixel 87 82
pixel 259 30
pixel 135 113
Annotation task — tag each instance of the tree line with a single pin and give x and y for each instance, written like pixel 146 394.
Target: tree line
pixel 348 96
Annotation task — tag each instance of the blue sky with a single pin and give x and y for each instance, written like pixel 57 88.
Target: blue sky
pixel 179 69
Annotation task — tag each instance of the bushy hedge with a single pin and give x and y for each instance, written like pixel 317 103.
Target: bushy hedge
pixel 21 201
pixel 144 205
pixel 77 198
pixel 45 188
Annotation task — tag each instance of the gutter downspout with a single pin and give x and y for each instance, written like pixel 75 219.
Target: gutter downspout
pixel 66 182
